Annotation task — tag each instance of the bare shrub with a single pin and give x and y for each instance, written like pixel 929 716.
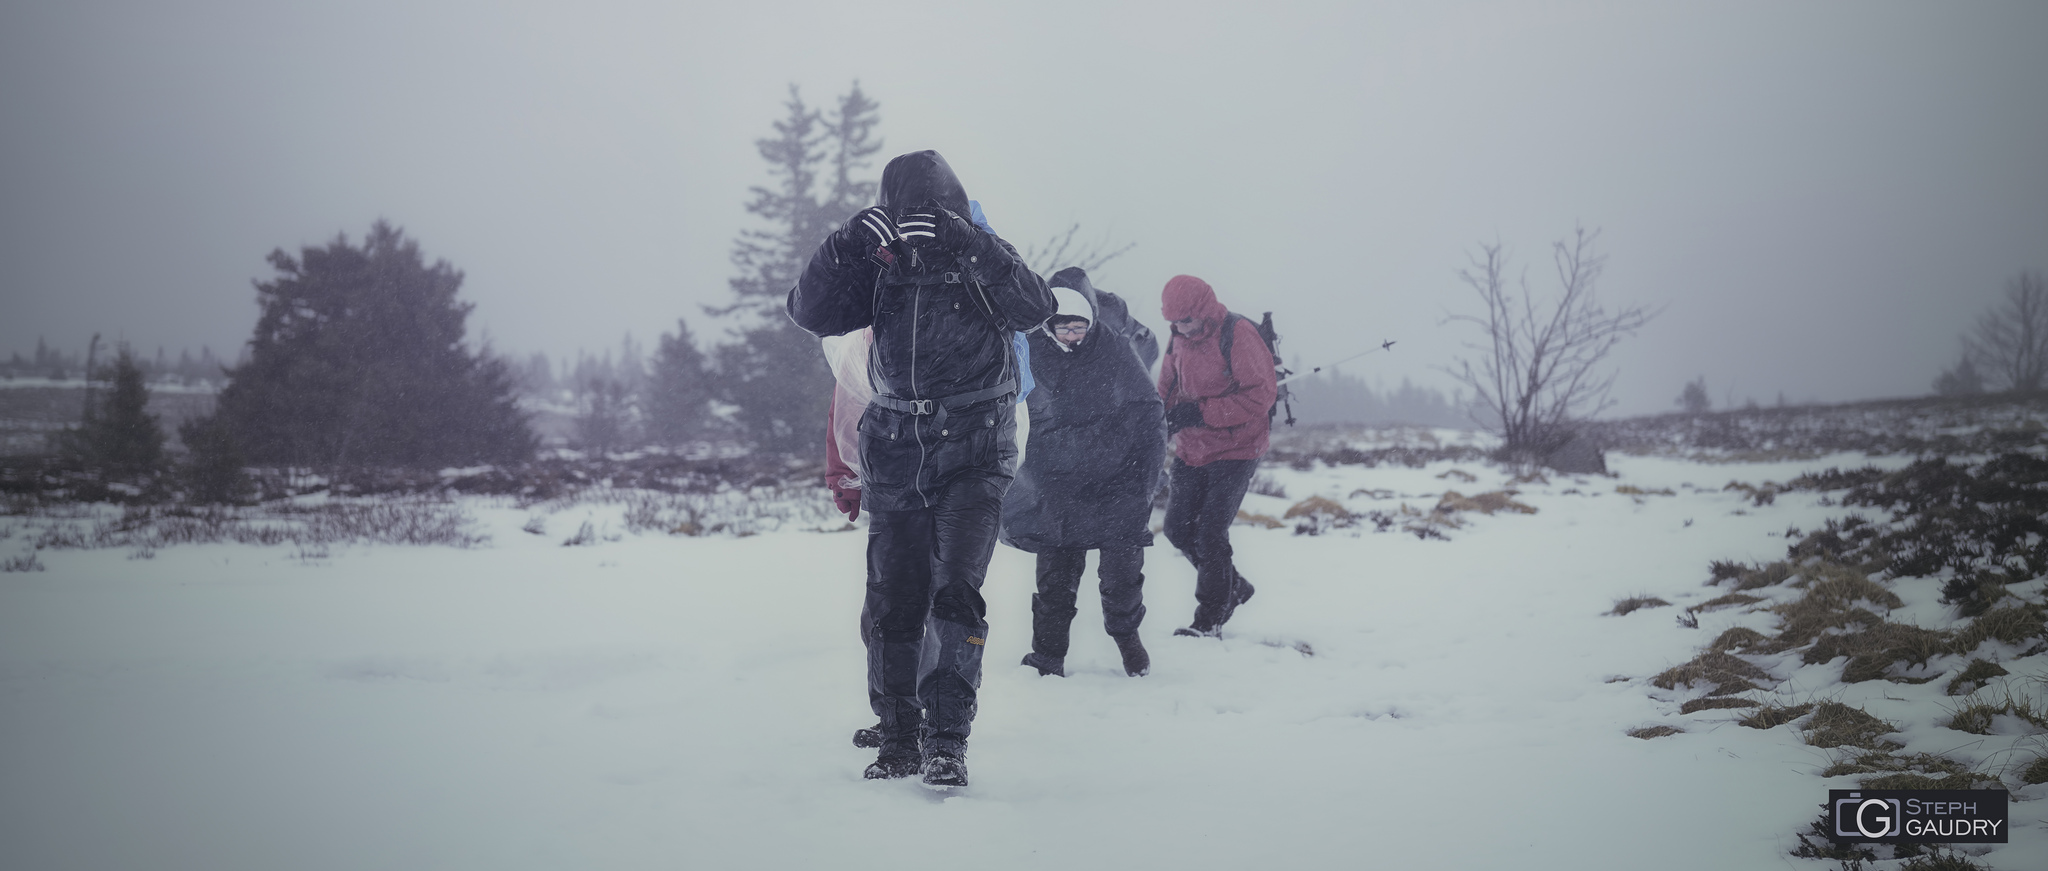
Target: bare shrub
pixel 2010 342
pixel 1540 366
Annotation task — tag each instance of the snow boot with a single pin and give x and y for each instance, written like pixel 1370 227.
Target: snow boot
pixel 869 738
pixel 944 771
pixel 896 760
pixel 1199 632
pixel 1053 665
pixel 901 755
pixel 891 767
pixel 1137 663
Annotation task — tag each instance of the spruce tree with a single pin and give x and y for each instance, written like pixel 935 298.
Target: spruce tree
pixel 774 374
pixel 212 472
pixel 118 437
pixel 358 359
pixel 679 389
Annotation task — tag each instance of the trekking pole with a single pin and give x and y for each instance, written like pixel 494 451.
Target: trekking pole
pixel 1383 346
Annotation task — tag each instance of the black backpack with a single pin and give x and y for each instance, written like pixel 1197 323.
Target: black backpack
pixel 1228 338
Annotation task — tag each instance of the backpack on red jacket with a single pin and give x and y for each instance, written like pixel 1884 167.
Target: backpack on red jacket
pixel 1228 338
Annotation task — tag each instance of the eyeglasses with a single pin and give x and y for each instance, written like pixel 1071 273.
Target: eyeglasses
pixel 1072 330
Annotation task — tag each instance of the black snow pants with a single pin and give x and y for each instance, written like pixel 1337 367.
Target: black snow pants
pixel 1201 503
pixel 1121 571
pixel 925 613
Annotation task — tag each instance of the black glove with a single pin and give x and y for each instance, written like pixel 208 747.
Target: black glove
pixel 1182 416
pixel 941 230
pixel 868 230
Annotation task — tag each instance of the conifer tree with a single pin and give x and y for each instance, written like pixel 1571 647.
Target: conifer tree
pixel 118 437
pixel 212 472
pixel 679 389
pixel 774 374
pixel 359 359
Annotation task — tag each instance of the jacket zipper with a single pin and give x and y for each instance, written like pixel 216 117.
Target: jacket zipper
pixel 917 482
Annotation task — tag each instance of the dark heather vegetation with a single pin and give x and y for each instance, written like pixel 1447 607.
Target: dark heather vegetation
pixel 1970 527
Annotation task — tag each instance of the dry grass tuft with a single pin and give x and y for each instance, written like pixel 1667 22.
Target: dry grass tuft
pixel 1912 771
pixel 1648 732
pixel 1631 490
pixel 1484 503
pixel 1974 676
pixel 1763 576
pixel 1976 715
pixel 2011 625
pixel 1711 703
pixel 1318 506
pixel 1773 716
pixel 1729 601
pixel 1623 607
pixel 1459 474
pixel 1250 519
pixel 1738 638
pixel 1726 672
pixel 1837 725
pixel 1873 649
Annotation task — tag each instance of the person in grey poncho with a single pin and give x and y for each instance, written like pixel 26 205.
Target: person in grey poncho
pixel 1096 447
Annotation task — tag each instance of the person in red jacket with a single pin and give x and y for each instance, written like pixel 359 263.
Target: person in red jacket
pixel 1219 396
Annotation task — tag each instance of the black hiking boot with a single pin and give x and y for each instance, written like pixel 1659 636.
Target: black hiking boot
pixel 869 738
pixel 1244 590
pixel 1199 632
pixel 890 766
pixel 1054 665
pixel 1137 663
pixel 944 771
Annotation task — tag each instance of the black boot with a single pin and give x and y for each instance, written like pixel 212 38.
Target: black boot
pixel 1199 632
pixel 868 738
pixel 1137 663
pixel 899 757
pixel 1053 665
pixel 944 771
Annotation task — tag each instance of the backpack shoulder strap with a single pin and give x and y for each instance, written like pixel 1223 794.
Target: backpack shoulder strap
pixel 1225 340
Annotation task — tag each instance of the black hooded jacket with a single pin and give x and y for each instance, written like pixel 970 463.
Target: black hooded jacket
pixel 1098 434
pixel 942 330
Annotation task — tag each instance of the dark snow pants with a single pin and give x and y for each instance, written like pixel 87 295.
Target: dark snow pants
pixel 1201 503
pixel 1121 571
pixel 925 613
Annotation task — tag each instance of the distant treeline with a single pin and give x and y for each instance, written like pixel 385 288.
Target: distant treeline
pixel 1340 398
pixel 57 365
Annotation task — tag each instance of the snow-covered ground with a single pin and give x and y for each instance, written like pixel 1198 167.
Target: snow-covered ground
pixel 678 702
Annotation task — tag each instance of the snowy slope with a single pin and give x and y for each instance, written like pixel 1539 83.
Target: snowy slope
pixel 672 702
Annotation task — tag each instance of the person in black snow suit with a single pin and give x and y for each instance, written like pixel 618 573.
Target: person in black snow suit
pixel 1096 447
pixel 937 443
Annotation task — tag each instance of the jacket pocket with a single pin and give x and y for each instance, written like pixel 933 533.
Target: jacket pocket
pixel 969 439
pixel 883 443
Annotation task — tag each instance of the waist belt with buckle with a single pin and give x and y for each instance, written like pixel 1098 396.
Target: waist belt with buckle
pixel 941 406
pixel 925 278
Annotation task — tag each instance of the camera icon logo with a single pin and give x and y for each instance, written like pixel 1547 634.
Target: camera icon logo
pixel 1868 817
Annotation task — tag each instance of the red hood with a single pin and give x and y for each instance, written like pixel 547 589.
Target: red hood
pixel 1188 296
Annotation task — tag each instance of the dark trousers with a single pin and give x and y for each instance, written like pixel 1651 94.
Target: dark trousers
pixel 924 613
pixel 1121 571
pixel 1201 503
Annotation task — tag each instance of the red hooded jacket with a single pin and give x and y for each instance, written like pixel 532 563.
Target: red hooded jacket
pixel 1235 404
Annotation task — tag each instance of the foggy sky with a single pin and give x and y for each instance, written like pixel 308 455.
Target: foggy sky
pixel 1822 196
